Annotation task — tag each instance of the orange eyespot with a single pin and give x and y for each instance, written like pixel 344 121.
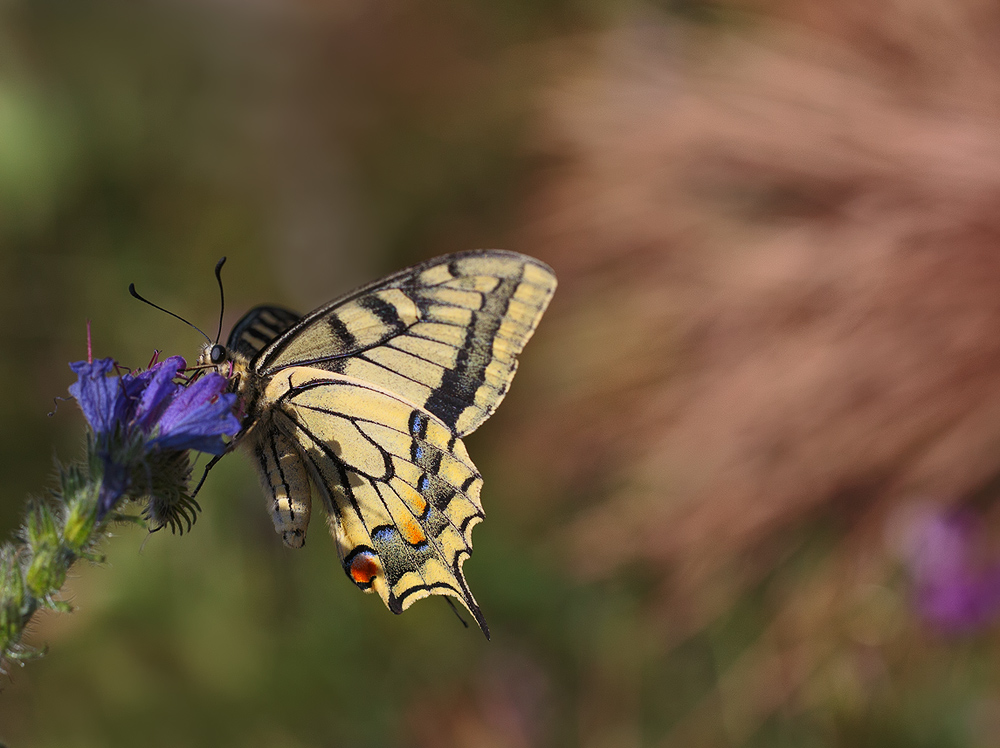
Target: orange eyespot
pixel 412 532
pixel 364 568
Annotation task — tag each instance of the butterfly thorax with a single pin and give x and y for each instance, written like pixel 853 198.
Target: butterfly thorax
pixel 235 367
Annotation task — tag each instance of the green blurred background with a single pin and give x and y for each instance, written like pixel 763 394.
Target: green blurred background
pixel 772 347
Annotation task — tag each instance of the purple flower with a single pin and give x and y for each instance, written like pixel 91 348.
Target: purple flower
pixel 955 589
pixel 144 423
pixel 198 416
pixel 170 415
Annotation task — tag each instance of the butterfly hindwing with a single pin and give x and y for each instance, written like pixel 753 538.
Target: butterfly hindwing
pixel 444 334
pixel 401 490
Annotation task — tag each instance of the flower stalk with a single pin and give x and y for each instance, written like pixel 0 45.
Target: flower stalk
pixel 142 427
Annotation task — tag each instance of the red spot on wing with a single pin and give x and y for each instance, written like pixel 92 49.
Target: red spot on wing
pixel 364 568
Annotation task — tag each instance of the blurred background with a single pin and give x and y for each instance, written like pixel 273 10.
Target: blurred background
pixel 743 492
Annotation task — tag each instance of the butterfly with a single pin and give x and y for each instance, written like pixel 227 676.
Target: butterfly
pixel 365 401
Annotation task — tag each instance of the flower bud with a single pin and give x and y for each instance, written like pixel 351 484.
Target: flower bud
pixel 46 572
pixel 41 530
pixel 81 515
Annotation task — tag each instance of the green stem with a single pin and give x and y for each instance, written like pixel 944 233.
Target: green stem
pixel 56 534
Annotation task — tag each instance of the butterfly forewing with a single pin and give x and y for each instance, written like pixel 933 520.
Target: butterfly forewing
pixel 445 334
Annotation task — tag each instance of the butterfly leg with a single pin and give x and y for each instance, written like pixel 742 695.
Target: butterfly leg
pixel 211 464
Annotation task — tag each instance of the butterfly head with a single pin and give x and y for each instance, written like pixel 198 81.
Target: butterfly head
pixel 216 355
pixel 225 361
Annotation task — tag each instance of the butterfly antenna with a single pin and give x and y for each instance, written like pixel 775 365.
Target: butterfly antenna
pixel 222 296
pixel 131 290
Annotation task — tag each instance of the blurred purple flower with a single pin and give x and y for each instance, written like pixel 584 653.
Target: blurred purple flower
pixel 955 590
pixel 138 418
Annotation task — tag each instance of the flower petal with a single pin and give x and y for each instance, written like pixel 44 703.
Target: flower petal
pixel 158 393
pixel 198 417
pixel 96 392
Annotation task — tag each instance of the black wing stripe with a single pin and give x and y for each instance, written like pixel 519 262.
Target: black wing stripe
pixel 435 586
pixel 341 332
pixel 459 384
pixel 385 312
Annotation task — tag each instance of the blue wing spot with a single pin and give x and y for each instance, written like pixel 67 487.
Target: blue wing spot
pixel 423 483
pixel 418 452
pixel 418 424
pixel 383 533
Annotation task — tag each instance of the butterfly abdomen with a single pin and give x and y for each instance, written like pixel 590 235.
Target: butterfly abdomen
pixel 284 479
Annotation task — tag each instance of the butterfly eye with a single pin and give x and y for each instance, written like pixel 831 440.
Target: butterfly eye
pixel 218 354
